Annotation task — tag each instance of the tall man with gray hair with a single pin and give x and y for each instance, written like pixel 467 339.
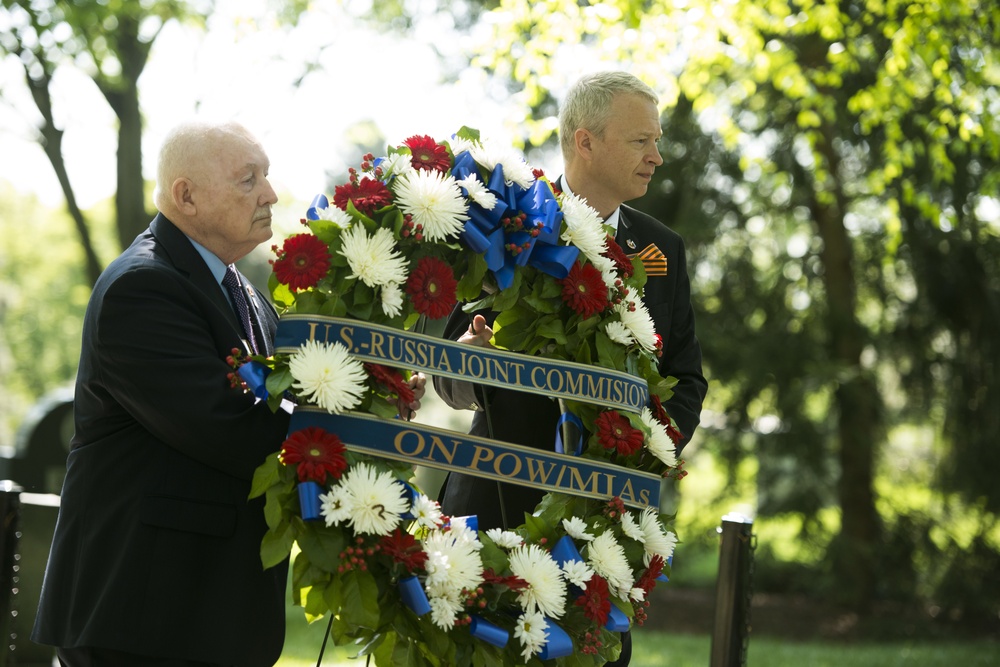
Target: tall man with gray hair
pixel 609 127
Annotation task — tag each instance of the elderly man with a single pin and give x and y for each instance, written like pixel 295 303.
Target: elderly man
pixel 156 554
pixel 609 127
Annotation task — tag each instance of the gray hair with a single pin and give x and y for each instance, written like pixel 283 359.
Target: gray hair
pixel 182 152
pixel 588 104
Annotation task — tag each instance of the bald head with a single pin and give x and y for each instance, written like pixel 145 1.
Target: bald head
pixel 211 182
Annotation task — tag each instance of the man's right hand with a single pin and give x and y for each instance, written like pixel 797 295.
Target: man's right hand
pixel 477 333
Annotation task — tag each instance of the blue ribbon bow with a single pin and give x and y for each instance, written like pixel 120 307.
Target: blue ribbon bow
pixel 413 595
pixel 319 202
pixel 558 644
pixel 255 375
pixel 309 502
pixel 485 631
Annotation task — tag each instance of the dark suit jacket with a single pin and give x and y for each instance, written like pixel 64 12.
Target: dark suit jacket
pixel 156 549
pixel 530 420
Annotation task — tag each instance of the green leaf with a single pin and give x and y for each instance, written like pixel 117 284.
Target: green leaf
pixel 323 545
pixel 552 328
pixel 265 476
pixel 276 545
pixel 360 598
pixel 278 381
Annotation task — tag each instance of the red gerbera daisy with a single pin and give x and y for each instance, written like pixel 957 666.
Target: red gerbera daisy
pixel 615 432
pixel 618 256
pixel 428 154
pixel 595 602
pixel 404 549
pixel 584 290
pixel 432 287
pixel 302 261
pixel 392 380
pixel 368 195
pixel 318 453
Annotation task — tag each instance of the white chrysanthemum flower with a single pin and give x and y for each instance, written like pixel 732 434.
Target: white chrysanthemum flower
pixel 607 557
pixel 658 541
pixel 435 201
pixel 427 512
pixel 461 531
pixel 375 259
pixel 631 528
pixel 577 528
pixel 532 631
pixel 478 192
pixel 585 230
pixel 515 170
pixel 452 564
pixel 460 144
pixel 376 500
pixel 397 164
pixel 639 323
pixel 658 442
pixel 335 215
pixel 327 375
pixel 336 506
pixel 392 300
pixel 638 594
pixel 444 612
pixel 505 539
pixel 546 589
pixel 618 333
pixel 577 572
pixel 610 275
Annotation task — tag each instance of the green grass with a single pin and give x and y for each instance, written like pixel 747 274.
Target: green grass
pixel 661 649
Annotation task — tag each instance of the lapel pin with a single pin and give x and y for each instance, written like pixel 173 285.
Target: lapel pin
pixel 630 243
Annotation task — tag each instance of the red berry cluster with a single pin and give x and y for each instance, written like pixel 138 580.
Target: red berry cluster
pixel 353 557
pixel 409 228
pixel 591 643
pixel 615 508
pixel 235 359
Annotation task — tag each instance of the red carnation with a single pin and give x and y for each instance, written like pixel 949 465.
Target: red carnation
pixel 432 287
pixel 648 578
pixel 513 582
pixel 368 195
pixel 595 602
pixel 392 380
pixel 618 256
pixel 428 154
pixel 615 432
pixel 584 290
pixel 404 549
pixel 318 453
pixel 302 261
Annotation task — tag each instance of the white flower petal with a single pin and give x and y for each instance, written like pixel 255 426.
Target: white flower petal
pixel 635 316
pixel 435 201
pixel 375 259
pixel 327 375
pixel 576 528
pixel 376 500
pixel 546 589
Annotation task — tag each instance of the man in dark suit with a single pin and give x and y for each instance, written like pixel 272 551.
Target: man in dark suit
pixel 156 554
pixel 609 126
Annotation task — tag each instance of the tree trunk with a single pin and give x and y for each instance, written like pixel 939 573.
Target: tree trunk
pixel 857 405
pixel 123 97
pixel 52 145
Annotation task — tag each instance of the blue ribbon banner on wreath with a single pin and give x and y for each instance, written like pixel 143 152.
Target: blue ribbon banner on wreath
pixel 499 368
pixel 433 447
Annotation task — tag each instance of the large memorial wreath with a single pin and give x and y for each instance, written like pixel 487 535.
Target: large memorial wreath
pixel 413 233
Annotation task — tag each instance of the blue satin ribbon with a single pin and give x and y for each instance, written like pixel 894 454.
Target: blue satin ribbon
pixel 412 494
pixel 319 202
pixel 484 234
pixel 485 631
pixel 471 521
pixel 569 417
pixel 565 551
pixel 558 644
pixel 309 502
pixel 413 595
pixel 617 620
pixel 255 375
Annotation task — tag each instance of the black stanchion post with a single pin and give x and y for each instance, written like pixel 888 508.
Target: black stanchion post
pixel 732 592
pixel 10 513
